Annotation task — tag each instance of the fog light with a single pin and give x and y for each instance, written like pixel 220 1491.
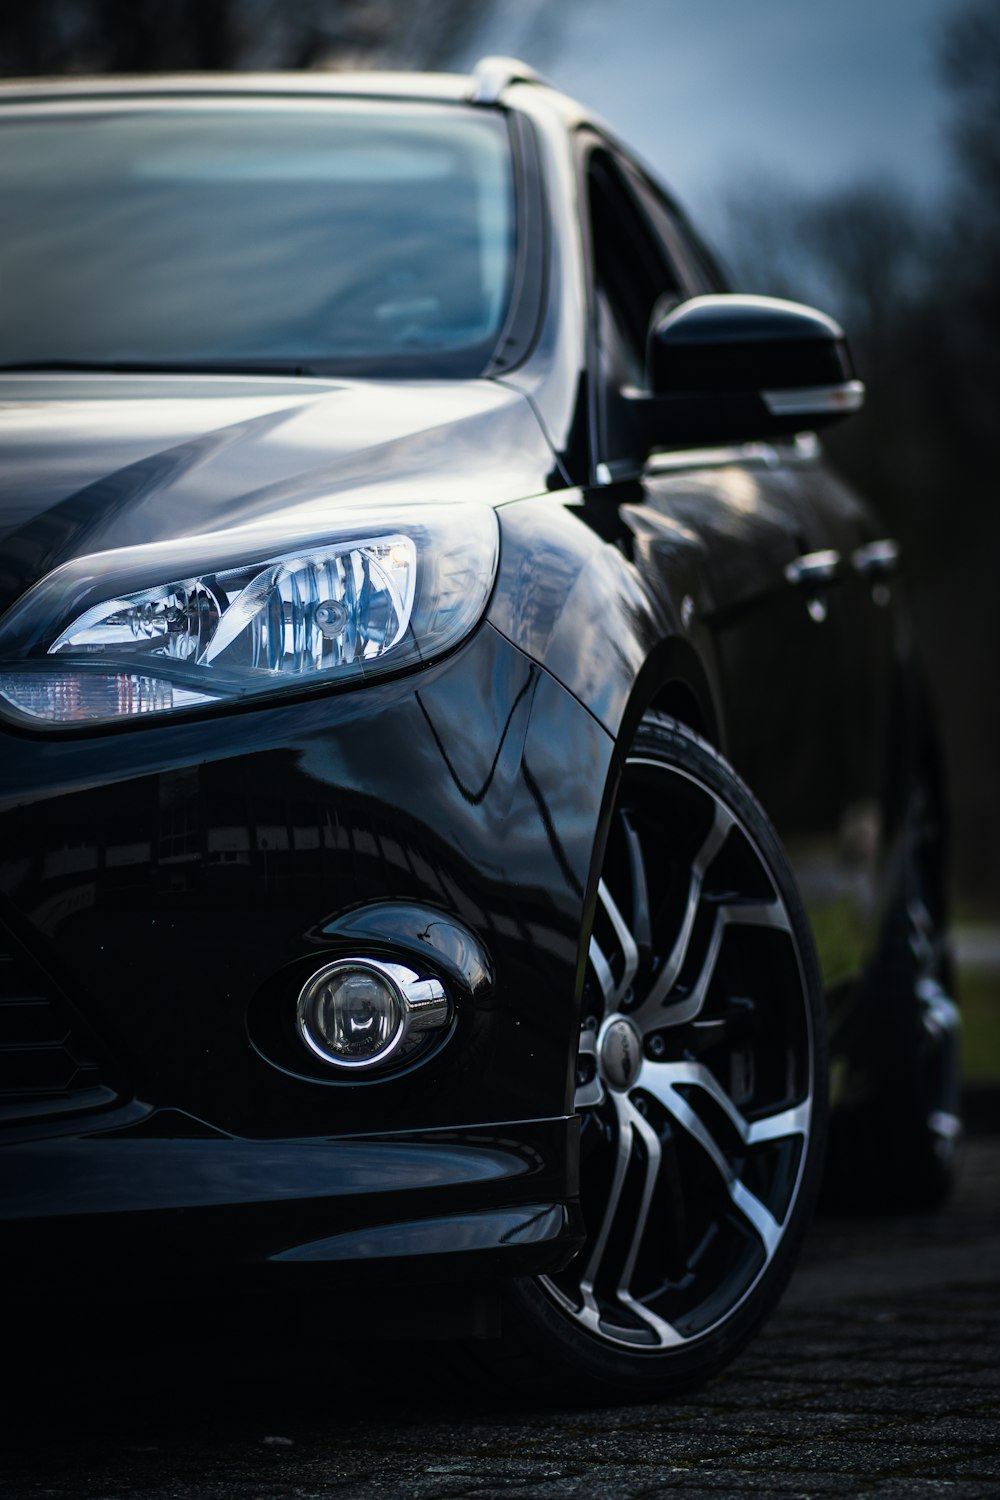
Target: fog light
pixel 359 1012
pixel 351 1016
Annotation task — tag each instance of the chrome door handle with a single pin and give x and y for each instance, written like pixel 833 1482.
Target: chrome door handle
pixel 814 570
pixel 877 559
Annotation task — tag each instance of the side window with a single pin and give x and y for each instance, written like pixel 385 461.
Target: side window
pixel 631 275
pixel 680 243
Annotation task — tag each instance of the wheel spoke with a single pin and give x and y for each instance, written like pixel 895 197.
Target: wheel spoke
pixel 642 927
pixel 592 1092
pixel 757 1214
pixel 664 1080
pixel 630 952
pixel 656 1010
pixel 722 822
pixel 651 1141
pixel 666 1334
pixel 623 1152
pixel 602 969
pixel 777 1127
pixel 631 1127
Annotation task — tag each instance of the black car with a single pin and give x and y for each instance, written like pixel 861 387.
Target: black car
pixel 459 747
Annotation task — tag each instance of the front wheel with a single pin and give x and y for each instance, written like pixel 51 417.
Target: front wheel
pixel 701 1086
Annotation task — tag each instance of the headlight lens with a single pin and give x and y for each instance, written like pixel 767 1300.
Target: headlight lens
pixel 87 645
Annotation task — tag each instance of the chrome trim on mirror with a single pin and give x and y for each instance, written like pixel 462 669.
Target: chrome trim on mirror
pixel 816 400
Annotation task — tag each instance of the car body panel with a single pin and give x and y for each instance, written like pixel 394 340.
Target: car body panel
pixel 94 462
pixel 481 1200
pixel 218 855
pixel 170 886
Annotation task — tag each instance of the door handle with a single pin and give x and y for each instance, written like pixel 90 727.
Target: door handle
pixel 814 570
pixel 877 559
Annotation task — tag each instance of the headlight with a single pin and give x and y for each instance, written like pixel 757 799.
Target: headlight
pixel 136 632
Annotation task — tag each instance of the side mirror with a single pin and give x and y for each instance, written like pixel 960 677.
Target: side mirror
pixel 732 369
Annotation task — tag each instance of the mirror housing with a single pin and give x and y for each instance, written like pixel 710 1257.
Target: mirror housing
pixel 734 369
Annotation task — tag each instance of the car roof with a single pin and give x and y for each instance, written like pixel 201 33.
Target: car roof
pixel 443 87
pixel 484 85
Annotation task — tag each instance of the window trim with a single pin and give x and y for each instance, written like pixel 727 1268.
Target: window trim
pixel 587 142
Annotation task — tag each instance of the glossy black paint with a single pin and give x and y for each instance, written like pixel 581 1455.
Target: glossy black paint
pixel 172 885
pixel 711 359
pixel 123 460
pixel 163 1189
pixel 232 850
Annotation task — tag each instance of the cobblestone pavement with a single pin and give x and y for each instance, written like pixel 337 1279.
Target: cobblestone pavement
pixel 879 1376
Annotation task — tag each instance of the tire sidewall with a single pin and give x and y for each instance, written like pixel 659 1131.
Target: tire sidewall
pixel 600 1369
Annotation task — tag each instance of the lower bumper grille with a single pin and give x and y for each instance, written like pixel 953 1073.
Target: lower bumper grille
pixel 46 1066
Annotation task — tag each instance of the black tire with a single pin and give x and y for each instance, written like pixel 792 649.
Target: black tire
pixel 906 1066
pixel 702 1087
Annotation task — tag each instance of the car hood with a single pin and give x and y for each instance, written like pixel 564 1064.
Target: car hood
pixel 89 463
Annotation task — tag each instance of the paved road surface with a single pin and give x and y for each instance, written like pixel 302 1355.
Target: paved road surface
pixel 879 1376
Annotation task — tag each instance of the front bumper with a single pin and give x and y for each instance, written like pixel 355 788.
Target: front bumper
pixel 167 1205
pixel 156 882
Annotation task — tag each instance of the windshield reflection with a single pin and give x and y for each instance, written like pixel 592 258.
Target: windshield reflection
pixel 311 236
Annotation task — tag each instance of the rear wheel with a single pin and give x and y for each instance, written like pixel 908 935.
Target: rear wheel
pixel 908 1054
pixel 701 1086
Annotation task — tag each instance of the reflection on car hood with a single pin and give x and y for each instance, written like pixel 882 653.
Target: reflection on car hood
pixel 91 462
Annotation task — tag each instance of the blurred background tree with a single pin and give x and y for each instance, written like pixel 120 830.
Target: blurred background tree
pixel 915 281
pixel 917 285
pixel 149 36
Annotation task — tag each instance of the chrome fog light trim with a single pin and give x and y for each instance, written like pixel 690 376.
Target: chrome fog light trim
pixel 360 1012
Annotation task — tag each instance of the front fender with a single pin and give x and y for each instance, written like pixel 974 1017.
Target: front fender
pixel 611 605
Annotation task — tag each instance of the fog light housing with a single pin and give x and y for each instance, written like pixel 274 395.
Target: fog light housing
pixel 360 1012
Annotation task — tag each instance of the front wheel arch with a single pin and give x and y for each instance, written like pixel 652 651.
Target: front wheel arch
pixel 675 683
pixel 745 1110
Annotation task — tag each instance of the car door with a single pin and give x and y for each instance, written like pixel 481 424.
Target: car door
pixel 782 605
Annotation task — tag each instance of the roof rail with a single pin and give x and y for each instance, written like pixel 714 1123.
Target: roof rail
pixel 491 75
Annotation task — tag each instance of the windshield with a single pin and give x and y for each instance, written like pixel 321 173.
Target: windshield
pixel 358 236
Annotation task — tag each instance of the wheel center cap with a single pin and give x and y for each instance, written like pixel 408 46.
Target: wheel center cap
pixel 620 1053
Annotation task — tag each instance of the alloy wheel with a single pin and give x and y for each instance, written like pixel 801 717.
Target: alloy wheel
pixel 696 1078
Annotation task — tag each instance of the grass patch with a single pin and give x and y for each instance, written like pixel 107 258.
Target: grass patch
pixel 979 1002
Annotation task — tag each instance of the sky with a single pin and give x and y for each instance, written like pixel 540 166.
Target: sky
pixel 709 91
